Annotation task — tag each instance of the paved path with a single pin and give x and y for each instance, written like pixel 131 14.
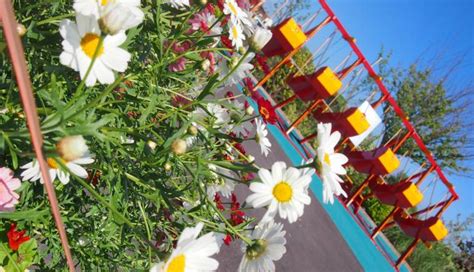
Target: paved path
pixel 313 242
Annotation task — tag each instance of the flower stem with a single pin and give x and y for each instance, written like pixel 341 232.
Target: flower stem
pixel 104 202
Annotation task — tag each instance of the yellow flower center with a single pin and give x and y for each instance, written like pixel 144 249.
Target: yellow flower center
pixel 52 163
pixel 89 44
pixel 235 33
pixel 177 264
pixel 104 2
pixel 282 192
pixel 326 159
pixel 232 8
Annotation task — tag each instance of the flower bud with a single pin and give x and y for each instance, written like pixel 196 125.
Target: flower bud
pixel 260 38
pixel 21 29
pixel 250 158
pixel 178 147
pixel 205 64
pixel 116 17
pixel 192 130
pixel 249 110
pixel 151 144
pixel 72 147
pixel 167 166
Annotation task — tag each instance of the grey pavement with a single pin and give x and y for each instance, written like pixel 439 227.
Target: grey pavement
pixel 313 242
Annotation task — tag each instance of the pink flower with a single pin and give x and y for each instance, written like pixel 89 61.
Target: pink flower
pixel 8 198
pixel 199 21
pixel 243 4
pixel 181 47
pixel 209 9
pixel 178 65
pixel 203 21
pixel 178 47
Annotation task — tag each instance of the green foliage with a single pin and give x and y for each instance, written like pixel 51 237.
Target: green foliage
pixel 296 8
pixel 460 240
pixel 280 90
pixel 130 210
pixel 19 260
pixel 438 258
pixel 436 124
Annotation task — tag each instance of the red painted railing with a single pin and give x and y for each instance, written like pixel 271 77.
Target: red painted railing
pixel 388 96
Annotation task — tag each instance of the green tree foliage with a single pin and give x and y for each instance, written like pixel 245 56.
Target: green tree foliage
pixel 433 113
pixel 286 8
pixel 462 245
pixel 439 258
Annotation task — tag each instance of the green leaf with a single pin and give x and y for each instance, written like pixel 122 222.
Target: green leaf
pixel 151 108
pixel 3 45
pixel 28 215
pixel 207 90
pixel 27 252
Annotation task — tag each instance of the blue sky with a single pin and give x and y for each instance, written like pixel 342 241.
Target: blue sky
pixel 412 30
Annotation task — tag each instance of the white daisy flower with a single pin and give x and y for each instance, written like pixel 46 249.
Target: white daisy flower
pixel 96 7
pixel 243 128
pixel 32 170
pixel 239 73
pixel 191 253
pixel 220 114
pixel 237 15
pixel 222 185
pixel 261 137
pixel 268 247
pixel 80 42
pixel 92 7
pixel 282 190
pixel 117 16
pixel 203 21
pixel 126 139
pixel 331 162
pixel 236 34
pixel 249 25
pixel 178 4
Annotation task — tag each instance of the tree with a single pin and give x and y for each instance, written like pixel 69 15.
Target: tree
pixel 439 258
pixel 462 245
pixel 290 8
pixel 433 113
pixel 437 111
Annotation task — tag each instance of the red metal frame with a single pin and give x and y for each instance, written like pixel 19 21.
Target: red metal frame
pixel 388 97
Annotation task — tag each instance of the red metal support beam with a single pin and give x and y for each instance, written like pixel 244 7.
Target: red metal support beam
pixel 309 35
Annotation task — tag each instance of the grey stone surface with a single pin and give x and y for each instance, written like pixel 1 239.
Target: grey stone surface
pixel 313 242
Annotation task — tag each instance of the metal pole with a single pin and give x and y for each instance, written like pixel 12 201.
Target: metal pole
pixel 15 49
